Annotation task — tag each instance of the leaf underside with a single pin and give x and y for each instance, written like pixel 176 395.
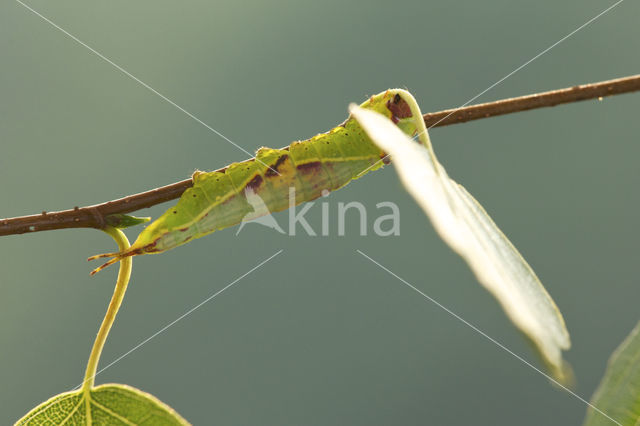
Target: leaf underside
pixel 619 392
pixel 466 227
pixel 110 404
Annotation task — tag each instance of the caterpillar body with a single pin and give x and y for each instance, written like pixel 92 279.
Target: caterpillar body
pixel 219 199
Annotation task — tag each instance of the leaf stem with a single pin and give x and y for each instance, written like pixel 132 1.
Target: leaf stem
pixel 421 128
pixel 116 300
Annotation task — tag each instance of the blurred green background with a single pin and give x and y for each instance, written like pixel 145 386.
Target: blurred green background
pixel 319 335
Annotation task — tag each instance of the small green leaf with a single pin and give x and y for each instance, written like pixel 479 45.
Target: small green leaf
pixel 467 228
pixel 110 404
pixel 619 392
pixel 124 220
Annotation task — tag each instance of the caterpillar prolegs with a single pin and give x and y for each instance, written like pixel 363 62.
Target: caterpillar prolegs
pixel 327 161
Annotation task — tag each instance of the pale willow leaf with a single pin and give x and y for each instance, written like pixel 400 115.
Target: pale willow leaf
pixel 467 228
pixel 110 404
pixel 619 392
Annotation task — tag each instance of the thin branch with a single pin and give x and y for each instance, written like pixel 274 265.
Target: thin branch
pixel 538 100
pixel 99 216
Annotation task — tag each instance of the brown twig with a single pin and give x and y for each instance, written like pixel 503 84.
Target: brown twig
pixel 538 100
pixel 99 215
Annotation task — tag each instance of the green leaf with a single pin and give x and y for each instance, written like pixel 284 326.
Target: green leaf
pixel 110 404
pixel 619 392
pixel 124 220
pixel 467 228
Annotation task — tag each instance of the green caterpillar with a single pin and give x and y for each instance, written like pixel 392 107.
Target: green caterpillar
pixel 222 198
